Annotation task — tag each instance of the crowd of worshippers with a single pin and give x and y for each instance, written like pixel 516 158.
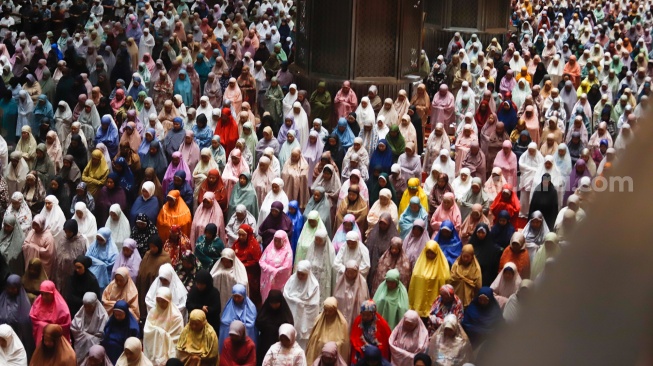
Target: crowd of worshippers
pixel 170 197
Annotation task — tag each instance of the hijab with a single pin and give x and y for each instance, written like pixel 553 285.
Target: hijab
pixel 60 354
pixel 13 354
pixel 392 304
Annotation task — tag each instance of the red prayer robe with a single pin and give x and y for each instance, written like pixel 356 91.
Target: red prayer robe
pixel 358 342
pixel 241 355
pixel 228 134
pixel 250 255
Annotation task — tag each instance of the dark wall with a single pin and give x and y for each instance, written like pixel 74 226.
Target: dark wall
pixel 376 38
pixel 330 37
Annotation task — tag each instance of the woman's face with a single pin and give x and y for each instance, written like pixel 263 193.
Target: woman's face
pixel 79 269
pixel 391 284
pixel 483 300
pixel 508 274
pixel 396 249
pixel 31 182
pixel 302 276
pixel 430 255
pixel 536 224
pixel 367 316
pixel 120 281
pixel 120 316
pixel 319 241
pixel 47 297
pixel 278 243
pixel 242 237
pixel 447 203
pixel 153 248
pixel 238 299
pixel 466 259
pixel 95 161
pixel 445 234
pixel 285 342
pixel 351 274
pixel 226 262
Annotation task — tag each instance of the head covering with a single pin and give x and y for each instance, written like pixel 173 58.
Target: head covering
pixel 85 327
pixel 269 320
pixel 457 349
pixel 169 320
pixel 11 244
pixel 481 320
pixel 97 353
pixel 128 292
pixel 405 344
pixel 330 353
pixel 533 235
pixel 245 312
pixel 13 354
pixel 392 304
pixel 202 343
pixel 384 159
pixel 466 278
pixel 549 249
pixel 132 262
pixel 135 346
pixel 60 354
pixel 172 170
pixel 428 276
pixel 55 312
pixel 346 136
pixel 177 288
pixel 14 312
pixel 276 263
pixel 303 297
pixel 116 332
pixel 103 256
pixel 372 355
pixel 413 243
pixel 120 229
pixel 452 246
pixel 408 217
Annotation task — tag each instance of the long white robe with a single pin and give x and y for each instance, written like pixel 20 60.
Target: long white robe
pixel 161 333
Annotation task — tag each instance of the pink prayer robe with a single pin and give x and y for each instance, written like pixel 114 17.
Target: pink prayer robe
pixel 443 109
pixel 345 103
pixel 276 265
pixel 235 96
pixel 463 144
pixel 508 165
